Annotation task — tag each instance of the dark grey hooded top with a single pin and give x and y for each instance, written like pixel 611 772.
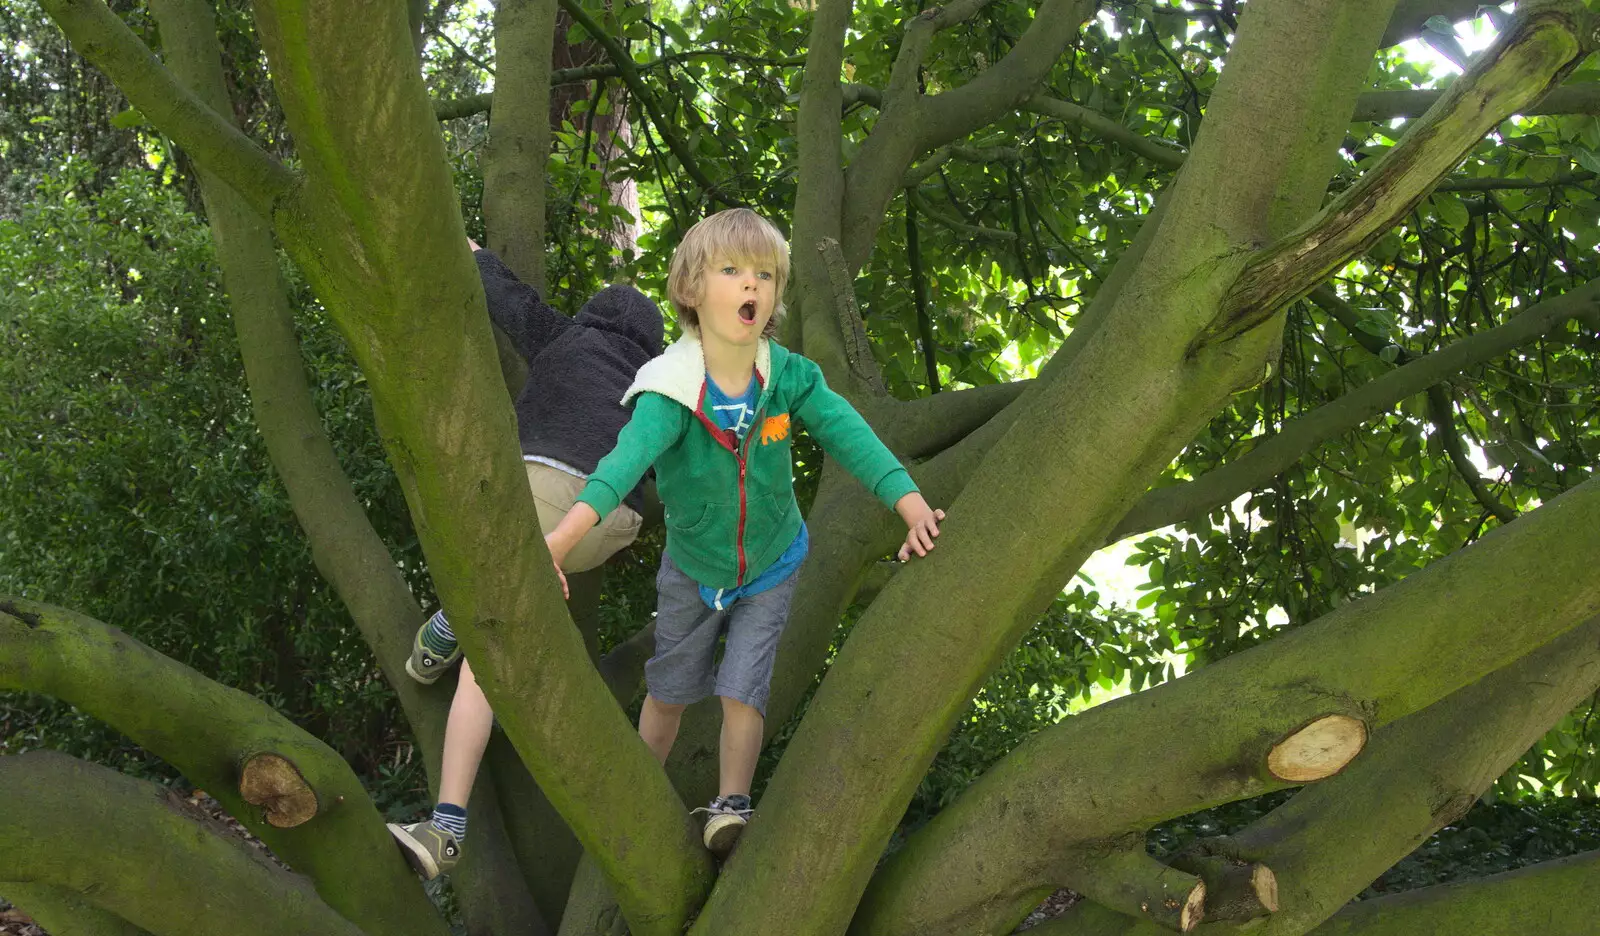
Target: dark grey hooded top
pixel 578 368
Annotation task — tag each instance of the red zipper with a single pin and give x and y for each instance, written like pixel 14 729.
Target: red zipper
pixel 729 440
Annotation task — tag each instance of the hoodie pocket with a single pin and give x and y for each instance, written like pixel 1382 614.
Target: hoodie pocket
pixel 692 520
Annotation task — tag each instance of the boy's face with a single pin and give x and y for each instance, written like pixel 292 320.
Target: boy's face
pixel 737 299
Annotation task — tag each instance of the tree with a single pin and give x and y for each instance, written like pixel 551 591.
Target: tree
pixel 1182 336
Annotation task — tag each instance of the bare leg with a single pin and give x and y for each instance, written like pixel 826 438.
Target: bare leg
pixel 658 726
pixel 466 735
pixel 741 746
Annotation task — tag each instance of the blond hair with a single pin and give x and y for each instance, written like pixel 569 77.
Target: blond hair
pixel 737 234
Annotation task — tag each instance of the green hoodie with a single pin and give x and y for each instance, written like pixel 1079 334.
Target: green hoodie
pixel 731 510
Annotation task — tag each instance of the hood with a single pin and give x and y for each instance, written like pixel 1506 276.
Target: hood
pixel 680 373
pixel 623 310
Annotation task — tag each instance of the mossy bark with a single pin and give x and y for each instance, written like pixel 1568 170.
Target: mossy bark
pixel 63 912
pixel 208 731
pixel 1210 733
pixel 204 882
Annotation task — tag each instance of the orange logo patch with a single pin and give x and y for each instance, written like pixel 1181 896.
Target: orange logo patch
pixel 775 428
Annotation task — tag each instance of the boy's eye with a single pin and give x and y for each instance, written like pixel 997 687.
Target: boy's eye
pixel 729 271
pixel 764 275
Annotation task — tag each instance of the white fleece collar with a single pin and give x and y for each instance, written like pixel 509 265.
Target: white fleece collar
pixel 680 372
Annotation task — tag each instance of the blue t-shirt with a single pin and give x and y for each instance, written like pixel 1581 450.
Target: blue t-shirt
pixel 737 413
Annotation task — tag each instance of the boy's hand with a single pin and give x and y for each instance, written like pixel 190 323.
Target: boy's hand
pixel 474 245
pixel 563 577
pixel 922 525
pixel 567 534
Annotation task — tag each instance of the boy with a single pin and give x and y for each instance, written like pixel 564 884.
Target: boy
pixel 713 416
pixel 568 415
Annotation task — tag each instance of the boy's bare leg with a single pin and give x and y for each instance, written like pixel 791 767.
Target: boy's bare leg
pixel 741 746
pixel 465 737
pixel 658 726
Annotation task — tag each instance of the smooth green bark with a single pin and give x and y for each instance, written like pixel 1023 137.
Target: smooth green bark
pixel 203 884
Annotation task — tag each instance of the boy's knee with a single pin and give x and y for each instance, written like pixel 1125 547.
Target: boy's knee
pixel 669 709
pixel 732 706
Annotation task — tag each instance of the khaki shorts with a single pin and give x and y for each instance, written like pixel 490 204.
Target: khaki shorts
pixel 554 493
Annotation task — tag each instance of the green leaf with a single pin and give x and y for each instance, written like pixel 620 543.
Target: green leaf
pixel 1587 158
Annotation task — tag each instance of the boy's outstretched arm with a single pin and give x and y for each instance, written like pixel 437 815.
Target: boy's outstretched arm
pixel 572 528
pixel 516 307
pixel 922 524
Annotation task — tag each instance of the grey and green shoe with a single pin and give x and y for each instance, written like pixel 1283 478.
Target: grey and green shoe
pixel 430 850
pixel 725 821
pixel 427 663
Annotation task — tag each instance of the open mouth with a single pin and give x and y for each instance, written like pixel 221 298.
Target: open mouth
pixel 747 313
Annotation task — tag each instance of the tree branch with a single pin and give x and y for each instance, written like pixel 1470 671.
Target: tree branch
pixel 213 141
pixel 62 911
pixel 911 123
pixel 1235 890
pixel 1390 105
pixel 1180 503
pixel 1158 153
pixel 919 32
pixel 1410 16
pixel 1553 897
pixel 857 93
pixel 1420 774
pixel 209 731
pixel 1547 41
pixel 857 349
pixel 960 227
pixel 1495 185
pixel 102 828
pixel 1128 880
pixel 972 154
pixel 1015 78
pixel 919 428
pixel 1441 410
pixel 1465 616
pixel 919 295
pixel 519 137
pixel 629 73
pixel 623 667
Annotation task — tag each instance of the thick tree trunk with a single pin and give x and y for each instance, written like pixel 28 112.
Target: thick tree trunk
pixel 345 548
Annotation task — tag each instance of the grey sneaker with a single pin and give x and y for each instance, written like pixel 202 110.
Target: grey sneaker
pixel 424 665
pixel 725 820
pixel 430 850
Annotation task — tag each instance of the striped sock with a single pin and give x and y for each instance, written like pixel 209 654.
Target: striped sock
pixel 452 819
pixel 437 635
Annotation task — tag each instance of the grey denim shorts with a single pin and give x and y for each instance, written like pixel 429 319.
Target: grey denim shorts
pixel 684 669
